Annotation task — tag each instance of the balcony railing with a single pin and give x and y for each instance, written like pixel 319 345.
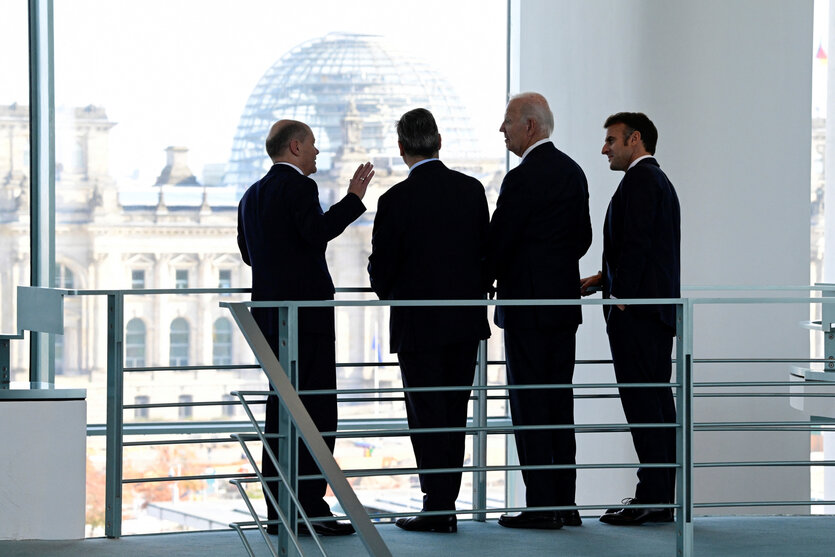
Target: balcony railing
pixel 481 426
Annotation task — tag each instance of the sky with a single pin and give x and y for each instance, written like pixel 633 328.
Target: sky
pixel 178 72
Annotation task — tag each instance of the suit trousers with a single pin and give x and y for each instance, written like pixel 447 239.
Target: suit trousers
pixel 317 370
pixel 534 357
pixel 445 366
pixel 641 351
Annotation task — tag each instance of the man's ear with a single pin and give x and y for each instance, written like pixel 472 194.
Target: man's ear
pixel 295 147
pixel 402 152
pixel 636 135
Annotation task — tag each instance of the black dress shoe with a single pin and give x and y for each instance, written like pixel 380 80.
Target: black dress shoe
pixel 540 520
pixel 570 518
pixel 333 528
pixel 446 524
pixel 321 528
pixel 634 517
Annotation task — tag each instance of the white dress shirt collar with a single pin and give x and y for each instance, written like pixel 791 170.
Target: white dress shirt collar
pixel 418 163
pixel 534 146
pixel 291 165
pixel 639 159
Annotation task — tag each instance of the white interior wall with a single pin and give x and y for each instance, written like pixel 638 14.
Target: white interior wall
pixel 728 84
pixel 42 469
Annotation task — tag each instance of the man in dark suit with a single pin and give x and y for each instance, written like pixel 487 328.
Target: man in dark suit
pixel 429 242
pixel 283 234
pixel 641 239
pixel 539 231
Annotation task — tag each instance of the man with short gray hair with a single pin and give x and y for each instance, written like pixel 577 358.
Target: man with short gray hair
pixel 283 234
pixel 538 233
pixel 429 242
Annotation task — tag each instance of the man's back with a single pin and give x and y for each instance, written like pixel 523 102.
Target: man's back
pixel 430 241
pixel 283 233
pixel 641 241
pixel 540 230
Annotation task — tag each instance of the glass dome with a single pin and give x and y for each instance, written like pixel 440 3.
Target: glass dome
pixel 323 80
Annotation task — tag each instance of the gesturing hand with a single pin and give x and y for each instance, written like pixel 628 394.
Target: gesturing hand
pixel 359 183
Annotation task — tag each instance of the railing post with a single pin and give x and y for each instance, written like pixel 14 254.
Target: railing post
pixel 684 433
pixel 827 319
pixel 42 176
pixel 5 364
pixel 288 451
pixel 115 402
pixel 480 438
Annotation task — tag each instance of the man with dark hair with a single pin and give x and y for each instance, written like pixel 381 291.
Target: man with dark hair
pixel 283 234
pixel 539 231
pixel 641 239
pixel 429 242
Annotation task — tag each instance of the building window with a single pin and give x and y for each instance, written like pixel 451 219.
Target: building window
pixel 64 277
pixel 181 278
pixel 224 278
pixel 141 413
pixel 185 411
pixel 230 409
pixel 59 355
pixel 135 343
pixel 137 278
pixel 179 343
pixel 222 342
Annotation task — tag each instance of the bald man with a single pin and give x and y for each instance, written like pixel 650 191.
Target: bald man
pixel 539 231
pixel 283 234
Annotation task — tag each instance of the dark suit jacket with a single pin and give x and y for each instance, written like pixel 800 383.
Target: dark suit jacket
pixel 641 241
pixel 539 231
pixel 429 242
pixel 282 234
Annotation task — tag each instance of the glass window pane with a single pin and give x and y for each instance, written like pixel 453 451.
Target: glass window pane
pixel 141 413
pixel 137 278
pixel 185 411
pixel 14 173
pixel 135 343
pixel 179 343
pixel 181 278
pixel 224 278
pixel 150 173
pixel 222 342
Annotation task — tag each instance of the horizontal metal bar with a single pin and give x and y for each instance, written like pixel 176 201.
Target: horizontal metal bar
pixel 179 428
pixel 187 478
pixel 579 428
pixel 256 437
pixel 181 404
pixel 799 383
pixel 765 395
pixel 371 472
pixel 761 504
pixel 763 301
pixel 754 424
pixel 759 360
pixel 191 368
pixel 488 388
pixel 178 442
pixel 489 363
pixel 481 302
pixel 777 463
pixel 152 291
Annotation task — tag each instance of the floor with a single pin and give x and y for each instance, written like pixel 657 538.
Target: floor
pixel 774 536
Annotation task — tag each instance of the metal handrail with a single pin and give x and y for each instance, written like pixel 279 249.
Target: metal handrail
pixel 684 386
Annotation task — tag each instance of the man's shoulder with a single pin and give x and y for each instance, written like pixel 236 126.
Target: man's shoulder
pixel 546 160
pixel 647 170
